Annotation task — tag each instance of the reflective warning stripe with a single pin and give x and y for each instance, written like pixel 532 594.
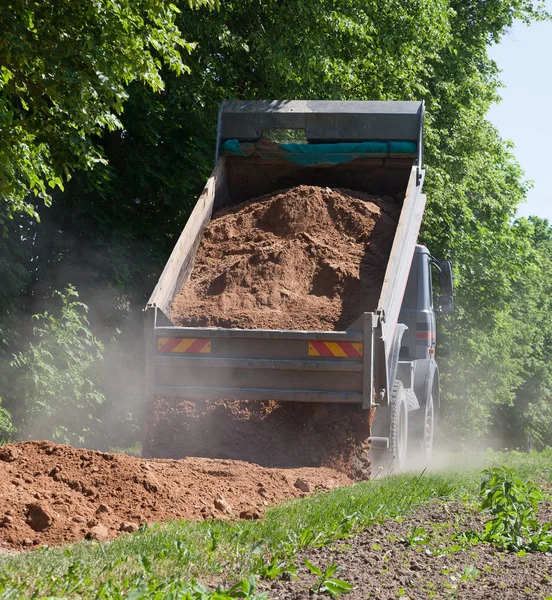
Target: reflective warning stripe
pixel 343 349
pixel 188 345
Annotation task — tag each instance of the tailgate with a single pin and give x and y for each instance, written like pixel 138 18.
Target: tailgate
pixel 253 364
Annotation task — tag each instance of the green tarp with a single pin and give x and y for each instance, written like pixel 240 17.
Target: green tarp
pixel 318 154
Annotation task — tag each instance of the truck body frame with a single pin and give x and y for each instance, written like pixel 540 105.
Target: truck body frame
pixel 355 366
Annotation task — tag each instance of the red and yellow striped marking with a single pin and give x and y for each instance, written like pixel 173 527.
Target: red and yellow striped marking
pixel 188 345
pixel 343 349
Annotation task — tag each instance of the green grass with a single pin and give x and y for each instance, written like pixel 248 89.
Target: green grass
pixel 166 559
pixel 134 450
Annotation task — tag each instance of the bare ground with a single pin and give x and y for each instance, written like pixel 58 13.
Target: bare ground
pixel 415 559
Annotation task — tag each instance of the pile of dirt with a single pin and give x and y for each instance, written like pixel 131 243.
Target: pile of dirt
pixel 54 494
pixel 305 258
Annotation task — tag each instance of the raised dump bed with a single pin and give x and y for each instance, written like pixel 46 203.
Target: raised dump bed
pixel 370 147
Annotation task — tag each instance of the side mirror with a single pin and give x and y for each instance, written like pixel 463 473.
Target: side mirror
pixel 446 305
pixel 445 278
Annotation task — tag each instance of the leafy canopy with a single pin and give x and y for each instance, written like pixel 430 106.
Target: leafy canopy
pixel 64 68
pixel 69 68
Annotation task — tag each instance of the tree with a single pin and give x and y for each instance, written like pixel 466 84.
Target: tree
pixel 112 228
pixel 64 68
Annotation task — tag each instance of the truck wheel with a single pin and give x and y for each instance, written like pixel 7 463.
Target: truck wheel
pixel 398 433
pixel 393 460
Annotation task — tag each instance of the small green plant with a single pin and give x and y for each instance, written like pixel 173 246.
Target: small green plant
pixel 470 572
pixel 246 589
pixel 276 567
pixel 296 541
pixel 326 583
pixel 512 504
pixel 54 376
pixel 417 536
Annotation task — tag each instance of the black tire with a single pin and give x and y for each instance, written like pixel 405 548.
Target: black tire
pixel 393 423
pixel 398 433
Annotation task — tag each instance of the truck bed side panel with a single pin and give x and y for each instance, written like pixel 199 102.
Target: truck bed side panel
pixel 213 363
pixel 400 259
pixel 181 260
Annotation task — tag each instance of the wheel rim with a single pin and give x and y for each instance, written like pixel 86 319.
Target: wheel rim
pixel 402 436
pixel 429 428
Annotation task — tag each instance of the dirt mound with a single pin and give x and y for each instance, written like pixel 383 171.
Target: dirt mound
pixel 305 258
pixel 53 494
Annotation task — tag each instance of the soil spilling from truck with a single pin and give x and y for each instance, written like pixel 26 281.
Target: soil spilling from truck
pixel 306 258
pixel 53 494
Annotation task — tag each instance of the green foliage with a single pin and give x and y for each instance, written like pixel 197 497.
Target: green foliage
pixel 327 583
pixel 512 504
pixel 530 416
pixel 6 425
pixel 65 65
pixel 497 372
pixel 54 375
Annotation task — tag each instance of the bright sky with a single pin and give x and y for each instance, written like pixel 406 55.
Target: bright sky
pixel 525 113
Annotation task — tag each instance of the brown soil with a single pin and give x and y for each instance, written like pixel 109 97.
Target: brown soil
pixel 382 564
pixel 54 494
pixel 306 258
pixel 285 435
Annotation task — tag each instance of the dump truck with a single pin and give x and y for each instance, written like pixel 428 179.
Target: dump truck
pixel 374 147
